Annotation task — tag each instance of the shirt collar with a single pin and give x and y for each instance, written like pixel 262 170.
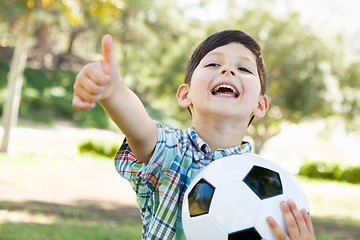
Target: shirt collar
pixel 195 138
pixel 203 147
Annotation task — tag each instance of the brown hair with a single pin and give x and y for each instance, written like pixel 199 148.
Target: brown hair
pixel 220 39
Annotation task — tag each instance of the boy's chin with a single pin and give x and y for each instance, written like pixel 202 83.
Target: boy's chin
pixel 227 113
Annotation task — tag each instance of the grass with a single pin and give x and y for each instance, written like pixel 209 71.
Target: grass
pixel 334 208
pixel 328 228
pixel 48 221
pixel 39 220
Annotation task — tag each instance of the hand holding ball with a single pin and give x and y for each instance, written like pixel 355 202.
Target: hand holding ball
pixel 232 196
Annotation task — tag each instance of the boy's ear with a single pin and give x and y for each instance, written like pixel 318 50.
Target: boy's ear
pixel 262 107
pixel 183 95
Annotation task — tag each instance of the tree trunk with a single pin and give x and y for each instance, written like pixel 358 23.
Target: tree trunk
pixel 73 35
pixel 15 80
pixel 42 46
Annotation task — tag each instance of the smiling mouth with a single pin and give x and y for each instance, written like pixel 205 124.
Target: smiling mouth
pixel 225 90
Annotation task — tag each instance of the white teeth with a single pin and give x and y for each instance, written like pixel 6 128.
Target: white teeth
pixel 226 86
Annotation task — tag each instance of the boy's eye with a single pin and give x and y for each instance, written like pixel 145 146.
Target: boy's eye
pixel 244 69
pixel 212 65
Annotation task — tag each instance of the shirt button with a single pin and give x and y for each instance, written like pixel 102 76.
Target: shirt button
pixel 217 154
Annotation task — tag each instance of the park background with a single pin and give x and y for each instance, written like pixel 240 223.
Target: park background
pixel 57 179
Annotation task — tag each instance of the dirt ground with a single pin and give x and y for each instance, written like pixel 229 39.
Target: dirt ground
pixel 98 180
pixel 65 182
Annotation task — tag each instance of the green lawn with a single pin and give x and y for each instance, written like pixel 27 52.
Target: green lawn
pixel 47 221
pixel 334 208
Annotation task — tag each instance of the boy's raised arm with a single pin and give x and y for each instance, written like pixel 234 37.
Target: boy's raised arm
pixel 100 81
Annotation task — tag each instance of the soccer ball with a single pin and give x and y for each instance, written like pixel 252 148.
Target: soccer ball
pixel 232 196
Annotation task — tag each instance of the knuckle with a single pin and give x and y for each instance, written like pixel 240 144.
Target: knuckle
pixel 291 224
pixel 90 98
pixel 79 77
pixel 89 66
pixel 106 79
pixel 77 89
pixel 92 90
pixel 283 236
pixel 298 217
pixel 98 90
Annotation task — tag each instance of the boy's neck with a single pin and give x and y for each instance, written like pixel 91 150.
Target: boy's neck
pixel 220 134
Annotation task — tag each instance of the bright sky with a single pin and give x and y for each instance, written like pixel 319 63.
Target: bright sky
pixel 333 14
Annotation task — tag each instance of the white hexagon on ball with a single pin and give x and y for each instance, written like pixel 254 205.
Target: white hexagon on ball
pixel 232 196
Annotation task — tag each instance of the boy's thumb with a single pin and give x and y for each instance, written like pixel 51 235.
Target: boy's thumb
pixel 108 54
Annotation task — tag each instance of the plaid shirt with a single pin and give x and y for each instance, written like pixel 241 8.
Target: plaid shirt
pixel 160 185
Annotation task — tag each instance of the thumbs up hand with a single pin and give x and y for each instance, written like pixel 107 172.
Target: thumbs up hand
pixel 96 81
pixel 100 81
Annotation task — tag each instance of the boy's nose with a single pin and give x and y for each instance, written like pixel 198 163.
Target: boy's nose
pixel 228 71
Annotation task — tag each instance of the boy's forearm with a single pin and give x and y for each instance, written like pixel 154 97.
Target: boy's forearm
pixel 126 110
pixel 129 114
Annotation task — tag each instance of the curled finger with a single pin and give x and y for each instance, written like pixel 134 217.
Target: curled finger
pixel 80 104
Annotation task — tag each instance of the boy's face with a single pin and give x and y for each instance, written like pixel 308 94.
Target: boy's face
pixel 225 83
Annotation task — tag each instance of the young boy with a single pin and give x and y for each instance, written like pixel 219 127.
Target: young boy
pixel 224 89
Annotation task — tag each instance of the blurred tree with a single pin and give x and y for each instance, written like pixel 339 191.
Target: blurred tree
pixel 140 27
pixel 300 66
pixel 348 103
pixel 21 32
pixel 148 38
pixel 20 13
pixel 155 39
pixel 295 57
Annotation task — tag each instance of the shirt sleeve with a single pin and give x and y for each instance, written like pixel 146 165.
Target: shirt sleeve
pixel 146 178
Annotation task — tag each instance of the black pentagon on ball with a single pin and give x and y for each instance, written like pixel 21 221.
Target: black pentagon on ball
pixel 200 197
pixel 249 234
pixel 264 182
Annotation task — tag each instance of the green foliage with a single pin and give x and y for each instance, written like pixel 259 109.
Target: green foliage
pixel 351 175
pixel 47 96
pixel 95 117
pixel 330 171
pixel 100 147
pixel 152 50
pixel 11 9
pixel 4 69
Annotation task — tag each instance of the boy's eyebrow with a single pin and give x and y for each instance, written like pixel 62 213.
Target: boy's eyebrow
pixel 221 54
pixel 214 53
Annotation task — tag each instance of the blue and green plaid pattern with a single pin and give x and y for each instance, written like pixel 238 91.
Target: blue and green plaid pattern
pixel 160 185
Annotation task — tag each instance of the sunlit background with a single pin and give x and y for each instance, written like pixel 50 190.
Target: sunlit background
pixel 57 179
